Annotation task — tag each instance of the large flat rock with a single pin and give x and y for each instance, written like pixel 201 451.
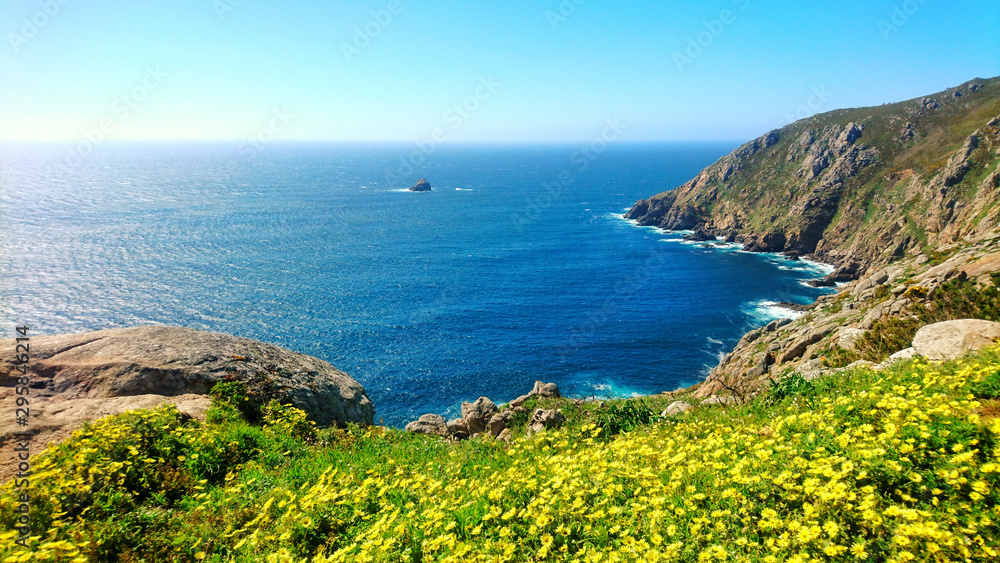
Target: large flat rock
pixel 79 377
pixel 950 339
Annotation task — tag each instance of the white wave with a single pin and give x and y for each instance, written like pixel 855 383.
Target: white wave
pixel 715 341
pixel 820 267
pixel 766 311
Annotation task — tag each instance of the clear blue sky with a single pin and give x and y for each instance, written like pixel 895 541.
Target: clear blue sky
pixel 222 74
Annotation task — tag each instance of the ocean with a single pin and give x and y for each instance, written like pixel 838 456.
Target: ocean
pixel 517 267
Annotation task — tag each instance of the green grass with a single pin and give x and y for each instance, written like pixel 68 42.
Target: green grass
pixel 865 466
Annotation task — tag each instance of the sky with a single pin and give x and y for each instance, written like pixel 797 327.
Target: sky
pixel 471 71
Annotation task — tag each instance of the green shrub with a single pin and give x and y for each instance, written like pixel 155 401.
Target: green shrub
pixel 624 417
pixel 989 388
pixel 230 401
pixel 790 386
pixel 286 419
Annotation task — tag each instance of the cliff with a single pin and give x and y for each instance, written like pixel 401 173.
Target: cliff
pixel 902 199
pixel 857 188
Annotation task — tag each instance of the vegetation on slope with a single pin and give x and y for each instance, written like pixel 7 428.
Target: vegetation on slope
pixel 955 299
pixel 855 187
pixel 901 465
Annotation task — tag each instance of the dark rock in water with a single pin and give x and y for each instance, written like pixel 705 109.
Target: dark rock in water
pixel 421 186
pixel 699 235
pixel 822 282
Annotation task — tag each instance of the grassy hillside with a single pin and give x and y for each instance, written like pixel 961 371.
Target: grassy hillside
pixel 854 187
pixel 900 465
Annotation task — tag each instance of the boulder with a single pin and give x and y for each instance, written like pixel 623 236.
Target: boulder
pixel 457 429
pixel 544 419
pixel 677 407
pixel 429 424
pixel 795 350
pixel 421 186
pixel 699 235
pixel 499 421
pixel 902 355
pixel 951 339
pixel 545 390
pixel 516 403
pixel 505 436
pixel 477 414
pixel 540 389
pixel 174 361
pixel 849 337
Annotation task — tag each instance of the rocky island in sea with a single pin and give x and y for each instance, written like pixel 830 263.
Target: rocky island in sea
pixel 422 185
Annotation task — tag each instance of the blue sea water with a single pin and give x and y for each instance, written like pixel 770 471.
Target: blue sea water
pixel 517 267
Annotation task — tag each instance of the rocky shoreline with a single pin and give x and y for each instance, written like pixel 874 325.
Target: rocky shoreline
pixel 483 418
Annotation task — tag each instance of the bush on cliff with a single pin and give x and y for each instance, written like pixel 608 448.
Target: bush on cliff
pixel 902 465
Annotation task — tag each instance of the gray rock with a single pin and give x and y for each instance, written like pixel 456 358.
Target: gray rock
pixel 849 337
pixel 174 361
pixel 429 424
pixel 541 390
pixel 859 364
pixel 520 400
pixel 544 419
pixel 546 390
pixel 951 339
pixel 457 429
pixel 476 414
pixel 902 355
pixel 677 407
pixel 505 436
pixel 847 137
pixel 762 366
pixel 421 186
pixel 959 163
pixel 812 369
pixel 499 421
pixel 718 400
pixel 795 350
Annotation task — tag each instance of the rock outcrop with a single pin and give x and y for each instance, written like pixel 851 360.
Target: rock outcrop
pixel 856 188
pixel 81 377
pixel 950 339
pixel 840 321
pixel 430 424
pixel 482 417
pixel 476 415
pixel 421 186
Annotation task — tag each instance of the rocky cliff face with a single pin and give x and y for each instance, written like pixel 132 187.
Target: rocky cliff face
pixel 901 198
pixel 857 188
pixel 836 323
